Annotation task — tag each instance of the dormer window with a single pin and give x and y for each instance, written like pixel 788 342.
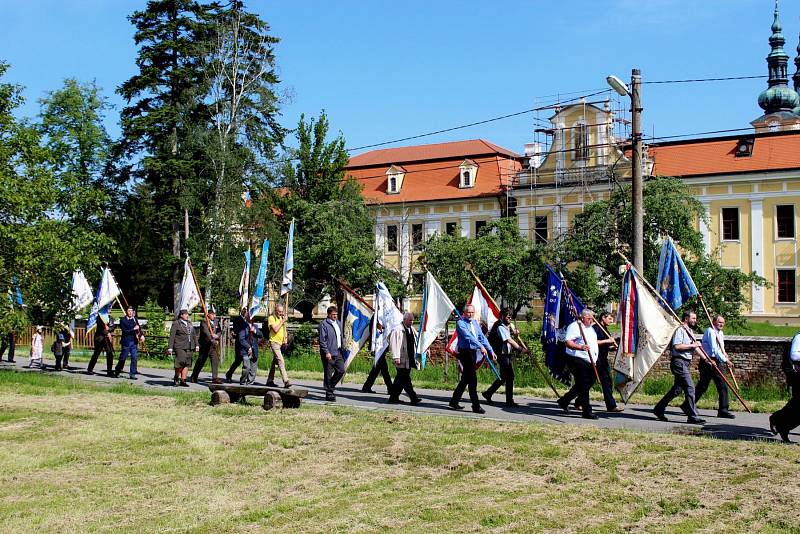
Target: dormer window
pixel 395 176
pixel 468 174
pixel 744 148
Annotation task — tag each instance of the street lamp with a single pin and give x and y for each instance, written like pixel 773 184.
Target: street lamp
pixel 636 160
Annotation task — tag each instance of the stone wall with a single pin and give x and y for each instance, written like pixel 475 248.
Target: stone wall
pixel 755 359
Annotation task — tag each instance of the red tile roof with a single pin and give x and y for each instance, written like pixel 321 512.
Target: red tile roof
pixel 407 154
pixel 697 157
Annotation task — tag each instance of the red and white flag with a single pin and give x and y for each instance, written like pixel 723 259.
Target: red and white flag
pixel 437 309
pixel 486 311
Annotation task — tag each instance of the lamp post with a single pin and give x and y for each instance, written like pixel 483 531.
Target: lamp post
pixel 636 160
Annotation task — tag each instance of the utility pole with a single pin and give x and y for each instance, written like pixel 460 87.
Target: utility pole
pixel 636 180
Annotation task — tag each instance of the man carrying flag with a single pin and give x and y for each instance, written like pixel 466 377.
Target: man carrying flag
pixel 385 319
pixel 714 345
pixel 582 351
pixel 471 342
pixel 683 348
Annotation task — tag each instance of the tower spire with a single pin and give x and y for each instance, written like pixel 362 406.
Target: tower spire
pixel 778 96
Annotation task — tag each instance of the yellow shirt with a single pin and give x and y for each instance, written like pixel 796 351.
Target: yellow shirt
pixel 279 336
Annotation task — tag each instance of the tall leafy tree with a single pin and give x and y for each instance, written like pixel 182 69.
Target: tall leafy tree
pixel 591 262
pixel 243 107
pixel 164 116
pixel 43 237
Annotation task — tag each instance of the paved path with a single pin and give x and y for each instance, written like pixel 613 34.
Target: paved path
pixel 635 417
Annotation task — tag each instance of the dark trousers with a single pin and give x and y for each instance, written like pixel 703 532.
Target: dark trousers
pixel 707 374
pixel 332 372
pixel 64 360
pixel 9 342
pixel 506 377
pixel 683 384
pixel 205 353
pixel 788 417
pixel 98 348
pixel 584 379
pixel 469 379
pixel 604 370
pixel 237 361
pixel 380 368
pixel 402 382
pixel 133 350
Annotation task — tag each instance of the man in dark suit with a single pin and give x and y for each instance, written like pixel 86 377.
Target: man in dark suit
pixel 182 342
pixel 209 347
pixel 102 343
pixel 330 351
pixel 788 418
pixel 240 323
pixel 10 342
pixel 247 340
pixel 129 343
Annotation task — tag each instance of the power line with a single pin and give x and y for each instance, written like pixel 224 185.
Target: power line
pixel 493 119
pixel 697 80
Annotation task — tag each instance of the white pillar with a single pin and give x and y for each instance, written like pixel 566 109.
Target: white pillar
pixel 379 242
pixel 757 251
pixel 404 239
pixel 704 226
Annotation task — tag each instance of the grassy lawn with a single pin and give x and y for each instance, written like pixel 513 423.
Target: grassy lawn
pixel 78 457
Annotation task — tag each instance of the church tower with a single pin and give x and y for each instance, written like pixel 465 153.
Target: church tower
pixel 779 100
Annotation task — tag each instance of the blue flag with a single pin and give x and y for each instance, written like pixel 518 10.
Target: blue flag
pixel 558 314
pixel 17 291
pixel 674 283
pixel 258 293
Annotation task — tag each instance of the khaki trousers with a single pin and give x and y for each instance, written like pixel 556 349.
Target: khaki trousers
pixel 277 360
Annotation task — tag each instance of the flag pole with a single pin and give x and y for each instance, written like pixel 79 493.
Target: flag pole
pixel 352 291
pixel 518 338
pixel 200 294
pixel 688 331
pixel 711 324
pixel 580 327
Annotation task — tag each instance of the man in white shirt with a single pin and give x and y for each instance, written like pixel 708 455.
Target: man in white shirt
pixel 714 346
pixel 581 341
pixel 788 418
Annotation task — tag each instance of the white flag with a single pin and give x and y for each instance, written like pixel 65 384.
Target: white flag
pixel 436 310
pixel 387 314
pixel 654 327
pixel 82 294
pixel 109 290
pixel 190 293
pixel 244 282
pixel 288 263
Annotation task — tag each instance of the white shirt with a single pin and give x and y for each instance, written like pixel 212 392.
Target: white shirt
pixel 794 352
pixel 574 334
pixel 338 333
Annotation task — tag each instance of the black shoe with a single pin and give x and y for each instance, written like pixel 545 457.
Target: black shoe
pixel 511 404
pixel 488 398
pixel 695 421
pixel 111 374
pixel 132 377
pixel 89 372
pixel 660 415
pixel 193 380
pixel 183 384
pixel 589 416
pixel 271 384
pixel 725 414
pixel 415 401
pixel 395 401
pixel 784 435
pixel 228 379
pixel 367 390
pixel 330 398
pixel 772 427
pixel 57 368
pixel 478 409
pixel 455 406
pixel 564 406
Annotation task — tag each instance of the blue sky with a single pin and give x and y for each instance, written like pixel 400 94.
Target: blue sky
pixel 386 70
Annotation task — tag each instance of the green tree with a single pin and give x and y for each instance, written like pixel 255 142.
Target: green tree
pixel 42 241
pixel 604 228
pixel 161 149
pixel 507 266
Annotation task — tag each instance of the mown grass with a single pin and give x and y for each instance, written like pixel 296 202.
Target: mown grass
pixel 76 457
